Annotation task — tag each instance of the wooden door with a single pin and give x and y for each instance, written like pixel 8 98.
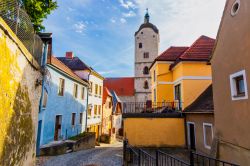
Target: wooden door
pixel 58 126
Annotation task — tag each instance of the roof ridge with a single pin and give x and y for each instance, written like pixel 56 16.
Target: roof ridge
pixel 73 74
pixel 195 42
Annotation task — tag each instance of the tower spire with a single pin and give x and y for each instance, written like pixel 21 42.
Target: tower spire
pixel 146 18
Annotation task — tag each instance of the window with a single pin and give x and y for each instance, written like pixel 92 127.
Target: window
pixel 110 104
pixel 145 85
pixel 238 85
pixel 154 95
pixel 177 92
pixel 146 70
pixel 90 87
pixel 146 55
pixel 95 109
pixel 89 110
pixel 83 91
pixel 100 90
pixel 96 89
pixel 208 135
pixel 75 90
pixel 73 118
pixel 80 120
pixel 140 45
pixel 154 76
pixel 141 32
pixel 99 110
pixel 235 8
pixel 61 87
pixel 45 99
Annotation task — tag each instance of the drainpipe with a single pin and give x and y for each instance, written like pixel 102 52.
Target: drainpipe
pixel 87 105
pixel 45 54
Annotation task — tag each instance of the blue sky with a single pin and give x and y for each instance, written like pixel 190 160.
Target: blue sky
pixel 101 32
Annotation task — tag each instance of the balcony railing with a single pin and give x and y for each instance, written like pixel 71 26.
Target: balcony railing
pixel 151 107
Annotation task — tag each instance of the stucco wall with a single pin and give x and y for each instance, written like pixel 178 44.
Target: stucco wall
pixel 150 44
pixel 95 100
pixel 62 105
pixel 107 112
pixel 155 132
pixel 232 118
pixel 19 98
pixel 198 120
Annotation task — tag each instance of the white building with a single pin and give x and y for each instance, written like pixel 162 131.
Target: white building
pixel 146 50
pixel 94 115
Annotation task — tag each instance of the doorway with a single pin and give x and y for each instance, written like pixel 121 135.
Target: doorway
pixel 191 135
pixel 58 127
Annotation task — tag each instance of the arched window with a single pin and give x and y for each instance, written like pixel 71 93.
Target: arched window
pixel 146 70
pixel 145 85
pixel 140 45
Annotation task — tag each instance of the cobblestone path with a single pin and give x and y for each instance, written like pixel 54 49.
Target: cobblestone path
pixel 105 155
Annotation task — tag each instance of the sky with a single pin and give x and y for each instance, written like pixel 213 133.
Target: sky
pixel 101 32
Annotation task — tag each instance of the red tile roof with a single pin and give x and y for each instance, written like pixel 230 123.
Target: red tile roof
pixel 123 86
pixel 200 50
pixel 58 64
pixel 171 54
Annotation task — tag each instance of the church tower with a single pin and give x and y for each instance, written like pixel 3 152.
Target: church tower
pixel 146 50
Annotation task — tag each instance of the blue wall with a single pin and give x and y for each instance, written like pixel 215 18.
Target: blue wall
pixel 62 105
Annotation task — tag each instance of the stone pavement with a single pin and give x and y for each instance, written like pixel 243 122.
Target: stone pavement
pixel 104 155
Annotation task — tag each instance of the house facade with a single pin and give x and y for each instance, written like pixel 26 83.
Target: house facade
pixel 107 108
pixel 200 123
pixel 95 91
pixel 231 73
pixel 181 74
pixel 64 104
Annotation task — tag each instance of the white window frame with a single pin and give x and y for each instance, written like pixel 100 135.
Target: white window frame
pixel 188 130
pixel 204 134
pixel 45 99
pixel 234 88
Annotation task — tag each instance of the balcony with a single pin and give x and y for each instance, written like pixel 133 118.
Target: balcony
pixel 152 107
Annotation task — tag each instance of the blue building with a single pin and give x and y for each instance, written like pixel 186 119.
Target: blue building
pixel 63 105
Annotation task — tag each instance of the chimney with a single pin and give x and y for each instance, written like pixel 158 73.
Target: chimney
pixel 70 55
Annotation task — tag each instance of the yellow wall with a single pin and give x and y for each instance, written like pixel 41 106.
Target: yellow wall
pixel 190 88
pixel 155 132
pixel 19 100
pixel 193 89
pixel 107 112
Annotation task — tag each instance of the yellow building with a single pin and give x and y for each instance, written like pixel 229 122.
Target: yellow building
pixel 180 74
pixel 107 112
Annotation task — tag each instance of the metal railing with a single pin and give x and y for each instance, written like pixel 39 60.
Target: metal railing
pixel 146 159
pixel 133 156
pixel 19 22
pixel 166 159
pixel 202 160
pixel 151 107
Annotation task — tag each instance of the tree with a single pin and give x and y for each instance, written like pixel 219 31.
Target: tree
pixel 38 10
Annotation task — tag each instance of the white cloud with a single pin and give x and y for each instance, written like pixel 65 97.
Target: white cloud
pixel 112 20
pixel 129 14
pixel 180 22
pixel 127 4
pixel 79 27
pixel 123 20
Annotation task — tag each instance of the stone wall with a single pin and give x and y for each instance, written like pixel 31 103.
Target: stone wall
pixel 19 96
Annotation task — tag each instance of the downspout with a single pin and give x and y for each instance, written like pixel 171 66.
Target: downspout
pixel 87 105
pixel 45 54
